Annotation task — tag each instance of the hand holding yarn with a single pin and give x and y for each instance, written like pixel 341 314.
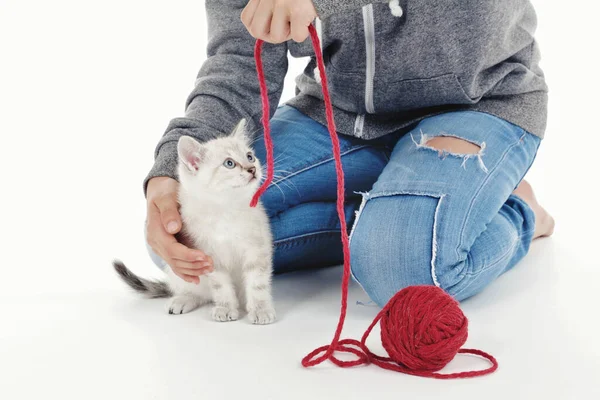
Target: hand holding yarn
pixel 276 21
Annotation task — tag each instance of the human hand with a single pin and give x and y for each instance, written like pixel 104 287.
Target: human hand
pixel 163 222
pixel 276 21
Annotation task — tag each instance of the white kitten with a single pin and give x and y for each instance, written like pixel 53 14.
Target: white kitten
pixel 217 181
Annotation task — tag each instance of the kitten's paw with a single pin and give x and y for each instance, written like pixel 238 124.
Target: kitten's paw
pixel 262 316
pixel 182 304
pixel 224 314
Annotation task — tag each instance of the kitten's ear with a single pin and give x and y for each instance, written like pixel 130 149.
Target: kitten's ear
pixel 191 153
pixel 240 130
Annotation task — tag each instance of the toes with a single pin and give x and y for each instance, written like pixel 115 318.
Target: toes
pixel 262 316
pixel 181 305
pixel 224 314
pixel 176 309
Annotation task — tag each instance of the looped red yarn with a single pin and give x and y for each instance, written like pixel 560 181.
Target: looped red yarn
pixel 422 327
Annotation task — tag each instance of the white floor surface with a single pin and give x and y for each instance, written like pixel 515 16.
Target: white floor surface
pixel 86 90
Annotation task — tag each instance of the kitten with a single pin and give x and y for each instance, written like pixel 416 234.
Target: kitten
pixel 217 181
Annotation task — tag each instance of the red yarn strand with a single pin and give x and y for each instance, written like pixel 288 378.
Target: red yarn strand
pixel 415 346
pixel 266 115
pixel 308 361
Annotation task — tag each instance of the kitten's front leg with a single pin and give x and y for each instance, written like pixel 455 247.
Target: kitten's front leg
pixel 183 303
pixel 224 297
pixel 186 296
pixel 259 302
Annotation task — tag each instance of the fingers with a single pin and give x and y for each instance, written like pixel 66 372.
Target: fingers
pixel 163 212
pixel 276 21
pixel 193 269
pixel 299 30
pixel 300 20
pixel 186 263
pixel 165 243
pixel 169 213
pixel 167 247
pixel 279 30
pixel 187 278
pixel 190 272
pixel 261 20
pixel 195 272
pixel 178 251
pixel 248 13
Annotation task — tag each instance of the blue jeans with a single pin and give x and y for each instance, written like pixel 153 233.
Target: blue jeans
pixel 423 218
pixel 418 216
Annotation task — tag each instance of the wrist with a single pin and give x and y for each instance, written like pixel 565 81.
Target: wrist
pixel 165 165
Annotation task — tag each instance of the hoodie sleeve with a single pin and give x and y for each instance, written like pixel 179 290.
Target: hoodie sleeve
pixel 226 89
pixel 326 8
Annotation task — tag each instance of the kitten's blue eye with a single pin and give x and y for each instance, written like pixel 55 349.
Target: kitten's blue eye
pixel 250 157
pixel 229 163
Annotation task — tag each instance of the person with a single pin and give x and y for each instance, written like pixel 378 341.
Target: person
pixel 440 109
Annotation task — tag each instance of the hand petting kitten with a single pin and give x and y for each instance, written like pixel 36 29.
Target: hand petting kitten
pixel 163 223
pixel 217 181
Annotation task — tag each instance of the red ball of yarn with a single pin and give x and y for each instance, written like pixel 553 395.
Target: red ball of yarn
pixel 423 328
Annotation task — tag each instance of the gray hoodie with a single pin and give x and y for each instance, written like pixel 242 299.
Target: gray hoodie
pixel 385 71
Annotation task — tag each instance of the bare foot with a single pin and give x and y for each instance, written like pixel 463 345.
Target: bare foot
pixel 544 223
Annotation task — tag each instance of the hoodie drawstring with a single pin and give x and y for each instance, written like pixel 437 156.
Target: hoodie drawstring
pixel 395 8
pixel 319 29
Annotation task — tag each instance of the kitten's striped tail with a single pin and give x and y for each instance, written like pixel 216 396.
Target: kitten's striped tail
pixel 150 289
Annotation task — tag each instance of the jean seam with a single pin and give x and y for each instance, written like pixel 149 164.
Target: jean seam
pixel 302 239
pixel 503 256
pixel 434 246
pixel 493 264
pixel 324 161
pixel 478 192
pixel 504 122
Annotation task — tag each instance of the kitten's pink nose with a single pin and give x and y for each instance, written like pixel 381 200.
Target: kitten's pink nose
pixel 252 170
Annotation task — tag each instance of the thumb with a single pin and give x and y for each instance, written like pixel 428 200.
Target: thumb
pixel 169 214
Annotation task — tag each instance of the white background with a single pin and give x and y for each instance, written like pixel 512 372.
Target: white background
pixel 86 90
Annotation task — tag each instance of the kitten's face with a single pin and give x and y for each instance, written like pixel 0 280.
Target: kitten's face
pixel 220 165
pixel 229 164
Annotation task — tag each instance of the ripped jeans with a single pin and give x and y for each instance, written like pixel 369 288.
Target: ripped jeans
pixel 418 216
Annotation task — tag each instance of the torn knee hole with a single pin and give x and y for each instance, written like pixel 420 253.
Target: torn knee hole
pixel 452 145
pixel 455 146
